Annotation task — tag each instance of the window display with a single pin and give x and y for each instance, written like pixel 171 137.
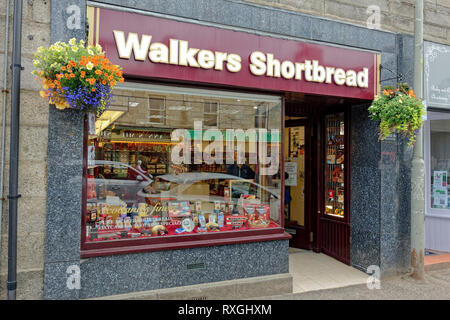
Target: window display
pixel 175 161
pixel 334 165
pixel 440 163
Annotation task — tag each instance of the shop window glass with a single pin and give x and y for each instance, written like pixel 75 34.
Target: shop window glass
pixel 171 163
pixel 440 163
pixel 334 165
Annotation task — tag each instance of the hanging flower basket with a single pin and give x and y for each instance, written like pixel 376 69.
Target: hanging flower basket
pixel 398 109
pixel 76 76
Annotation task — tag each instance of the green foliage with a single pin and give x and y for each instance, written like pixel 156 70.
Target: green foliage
pixel 398 109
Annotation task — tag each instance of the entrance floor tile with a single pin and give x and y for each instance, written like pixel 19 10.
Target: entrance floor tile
pixel 316 271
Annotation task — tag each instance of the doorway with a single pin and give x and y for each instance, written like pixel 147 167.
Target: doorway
pixel 297 154
pixel 317 178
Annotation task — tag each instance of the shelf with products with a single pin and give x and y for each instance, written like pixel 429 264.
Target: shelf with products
pixel 335 166
pixel 154 156
pixel 108 222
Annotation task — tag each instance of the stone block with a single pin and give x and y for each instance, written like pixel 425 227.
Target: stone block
pixel 315 7
pixel 346 12
pixel 30 285
pixel 437 17
pixel 41 11
pixel 32 143
pixel 30 251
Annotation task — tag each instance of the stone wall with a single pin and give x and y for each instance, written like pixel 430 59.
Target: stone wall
pixel 395 15
pixel 32 154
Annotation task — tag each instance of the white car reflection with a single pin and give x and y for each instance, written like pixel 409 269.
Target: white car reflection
pixel 195 186
pixel 118 179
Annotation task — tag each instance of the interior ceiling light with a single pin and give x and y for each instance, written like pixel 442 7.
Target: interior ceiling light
pixel 106 119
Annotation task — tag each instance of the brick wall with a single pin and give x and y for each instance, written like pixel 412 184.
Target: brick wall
pixel 394 15
pixel 32 154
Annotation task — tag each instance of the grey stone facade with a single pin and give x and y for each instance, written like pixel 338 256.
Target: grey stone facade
pixel 379 197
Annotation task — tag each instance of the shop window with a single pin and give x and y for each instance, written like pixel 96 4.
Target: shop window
pixel 334 165
pixel 440 164
pixel 169 163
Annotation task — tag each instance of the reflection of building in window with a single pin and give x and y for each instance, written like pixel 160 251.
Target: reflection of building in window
pixel 210 114
pixel 156 110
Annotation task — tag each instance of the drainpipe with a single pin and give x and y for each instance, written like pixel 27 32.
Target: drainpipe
pixel 5 96
pixel 418 165
pixel 14 150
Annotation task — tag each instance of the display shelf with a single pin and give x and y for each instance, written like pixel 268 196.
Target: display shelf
pixel 334 165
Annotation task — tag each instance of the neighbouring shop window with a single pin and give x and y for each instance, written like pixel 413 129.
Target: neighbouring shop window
pixel 334 165
pixel 440 163
pixel 176 161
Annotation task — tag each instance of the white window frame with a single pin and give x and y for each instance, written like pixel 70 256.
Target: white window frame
pixel 429 211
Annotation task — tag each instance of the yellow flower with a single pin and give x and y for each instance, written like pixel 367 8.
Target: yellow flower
pixel 74 49
pixel 43 94
pixel 91 52
pixel 72 41
pixel 35 63
pixel 61 105
pixel 90 65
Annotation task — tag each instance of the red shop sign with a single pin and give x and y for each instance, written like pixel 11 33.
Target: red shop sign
pixel 152 47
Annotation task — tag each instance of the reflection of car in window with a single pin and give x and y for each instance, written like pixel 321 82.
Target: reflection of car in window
pixel 195 186
pixel 116 179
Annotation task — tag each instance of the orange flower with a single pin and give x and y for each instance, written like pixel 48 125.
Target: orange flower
pixel 93 89
pixel 67 76
pixel 104 82
pixel 121 80
pixel 411 93
pixel 110 78
pixel 82 74
pixel 73 63
pixel 63 68
pixel 72 75
pixel 99 72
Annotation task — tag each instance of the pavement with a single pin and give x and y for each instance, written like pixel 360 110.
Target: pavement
pixel 435 286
